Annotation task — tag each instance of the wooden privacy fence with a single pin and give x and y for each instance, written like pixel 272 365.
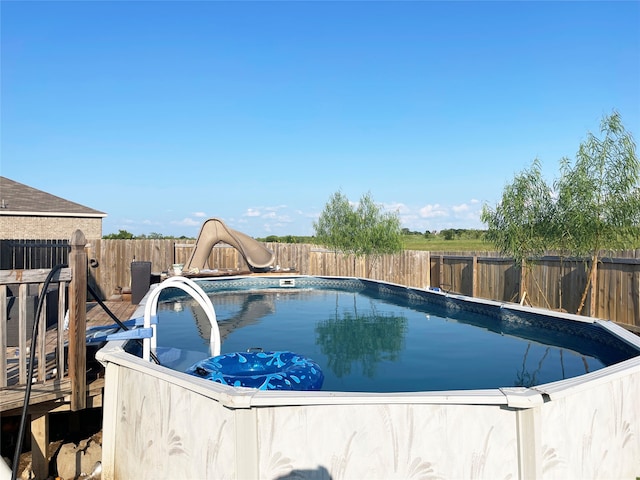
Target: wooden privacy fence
pixel 551 281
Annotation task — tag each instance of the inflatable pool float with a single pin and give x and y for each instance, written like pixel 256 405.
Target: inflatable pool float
pixel 280 370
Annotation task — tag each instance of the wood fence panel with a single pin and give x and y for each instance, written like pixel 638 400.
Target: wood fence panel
pixel 457 277
pixel 408 269
pixel 411 269
pixel 378 266
pixel 634 296
pixel 497 279
pixel 618 294
pixel 420 263
pixel 291 255
pixel 553 282
pixel 542 274
pixel 181 253
pixel 227 257
pixel 396 271
pixel 162 255
pixel 607 284
pixel 434 266
pixel 465 272
pixel 549 272
pixel 573 279
pixel 316 260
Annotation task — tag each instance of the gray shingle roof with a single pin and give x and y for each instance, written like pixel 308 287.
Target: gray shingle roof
pixel 19 199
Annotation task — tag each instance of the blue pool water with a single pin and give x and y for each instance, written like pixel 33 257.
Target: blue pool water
pixel 369 340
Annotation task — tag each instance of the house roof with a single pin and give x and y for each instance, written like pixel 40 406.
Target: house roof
pixel 19 199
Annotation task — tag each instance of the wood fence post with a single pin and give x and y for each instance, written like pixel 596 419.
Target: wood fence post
pixel 523 277
pixel 593 287
pixel 474 276
pixel 78 321
pixel 428 272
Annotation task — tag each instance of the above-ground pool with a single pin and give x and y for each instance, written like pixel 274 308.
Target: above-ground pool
pixel 417 384
pixel 372 339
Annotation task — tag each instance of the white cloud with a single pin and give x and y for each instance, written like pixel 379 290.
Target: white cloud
pixel 252 213
pixel 199 214
pixel 186 222
pixel 432 211
pixel 463 207
pixel 401 208
pixel 274 208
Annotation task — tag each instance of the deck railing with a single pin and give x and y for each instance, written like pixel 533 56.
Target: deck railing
pixel 59 353
pixel 17 310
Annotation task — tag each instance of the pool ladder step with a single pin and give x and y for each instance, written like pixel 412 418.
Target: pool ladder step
pixel 135 333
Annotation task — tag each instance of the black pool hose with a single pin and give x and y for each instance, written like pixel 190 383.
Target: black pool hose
pixel 116 319
pixel 105 308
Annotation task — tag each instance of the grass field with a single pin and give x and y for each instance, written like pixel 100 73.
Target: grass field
pixel 433 243
pixel 439 244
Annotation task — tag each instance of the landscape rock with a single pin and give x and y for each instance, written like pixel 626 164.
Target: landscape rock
pixel 78 460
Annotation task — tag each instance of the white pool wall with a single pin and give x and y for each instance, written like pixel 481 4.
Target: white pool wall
pixel 159 423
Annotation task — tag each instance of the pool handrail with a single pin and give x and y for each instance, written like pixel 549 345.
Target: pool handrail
pixel 190 287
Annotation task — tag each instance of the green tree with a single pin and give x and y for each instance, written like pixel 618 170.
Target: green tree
pixel 598 196
pixel 121 235
pixel 520 224
pixel 336 225
pixel 362 230
pixel 594 205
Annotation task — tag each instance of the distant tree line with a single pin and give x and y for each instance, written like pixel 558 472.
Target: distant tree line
pixel 125 235
pixel 287 239
pixel 450 233
pixel 447 234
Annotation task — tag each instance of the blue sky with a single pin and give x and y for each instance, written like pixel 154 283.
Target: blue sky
pixel 161 114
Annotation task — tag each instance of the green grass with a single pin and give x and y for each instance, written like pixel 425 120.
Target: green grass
pixel 437 244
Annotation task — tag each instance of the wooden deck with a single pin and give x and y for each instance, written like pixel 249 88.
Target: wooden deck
pixel 53 394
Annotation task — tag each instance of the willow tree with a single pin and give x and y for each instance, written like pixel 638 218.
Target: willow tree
pixel 520 224
pixel 594 205
pixel 362 230
pixel 598 197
